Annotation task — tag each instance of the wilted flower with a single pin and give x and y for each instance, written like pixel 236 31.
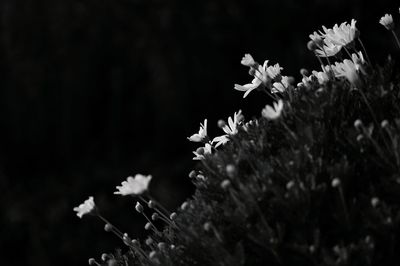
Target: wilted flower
pixel 199 153
pixel 272 113
pixel 134 186
pixel 230 129
pixel 85 208
pixel 202 135
pixel 248 60
pixel 387 22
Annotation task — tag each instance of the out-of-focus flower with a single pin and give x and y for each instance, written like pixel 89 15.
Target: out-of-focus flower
pixel 134 186
pixel 200 152
pixel 272 113
pixel 321 76
pixel 281 86
pixel 230 129
pixel 387 21
pixel 248 60
pixel 350 68
pixel 86 207
pixel 202 135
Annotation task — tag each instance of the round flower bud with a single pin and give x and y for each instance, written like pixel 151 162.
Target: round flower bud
pixel 225 184
pixel 312 46
pixel 221 123
pixel 231 170
pixel 304 72
pixel 151 204
pixel 207 226
pixel 290 185
pixel 92 261
pixel 173 216
pixel 108 227
pixel 134 242
pixel 374 202
pixel 152 254
pixel 147 226
pixel 384 123
pixel 149 241
pixel 172 246
pixel 184 206
pixel 155 216
pixel 358 124
pixel 139 207
pixel 161 245
pixel 360 137
pixel 335 182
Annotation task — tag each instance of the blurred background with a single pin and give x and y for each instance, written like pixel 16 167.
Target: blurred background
pixel 93 91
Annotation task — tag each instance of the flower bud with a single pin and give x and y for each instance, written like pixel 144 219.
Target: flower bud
pixel 147 226
pixel 358 124
pixel 151 204
pixel 135 242
pixel 335 182
pixel 290 185
pixel 152 255
pixel 105 257
pixel 184 206
pixel 225 184
pixel 207 226
pixel 221 123
pixel 108 227
pixel 360 137
pixel 304 72
pixel 231 170
pixel 149 241
pixel 312 46
pixel 161 245
pixel 92 261
pixel 384 123
pixel 139 207
pixel 172 246
pixel 155 216
pixel 173 216
pixel 374 202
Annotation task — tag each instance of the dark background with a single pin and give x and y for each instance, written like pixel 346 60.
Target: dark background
pixel 93 91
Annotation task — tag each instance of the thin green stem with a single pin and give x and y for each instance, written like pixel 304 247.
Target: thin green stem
pixel 365 52
pixel 396 38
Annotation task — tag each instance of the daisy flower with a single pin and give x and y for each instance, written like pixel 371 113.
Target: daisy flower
pixel 387 22
pixel 134 186
pixel 86 207
pixel 255 83
pixel 260 77
pixel 343 34
pixel 272 113
pixel 281 86
pixel 274 72
pixel 350 68
pixel 202 135
pixel 230 129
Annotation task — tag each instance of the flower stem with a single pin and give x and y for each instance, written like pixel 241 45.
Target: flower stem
pixel 365 52
pixel 396 38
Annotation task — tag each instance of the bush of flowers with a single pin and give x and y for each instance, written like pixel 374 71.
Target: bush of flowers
pixel 314 181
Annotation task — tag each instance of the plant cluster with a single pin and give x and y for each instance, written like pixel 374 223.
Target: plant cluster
pixel 314 181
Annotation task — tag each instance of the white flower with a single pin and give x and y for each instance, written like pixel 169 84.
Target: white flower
pixel 387 22
pixel 334 39
pixel 134 186
pixel 321 76
pixel 230 129
pixel 248 60
pixel 350 68
pixel 343 34
pixel 281 86
pixel 85 208
pixel 248 87
pixel 272 113
pixel 274 72
pixel 199 153
pixel 202 135
pixel 328 49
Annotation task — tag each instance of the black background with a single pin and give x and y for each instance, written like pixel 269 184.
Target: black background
pixel 93 91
